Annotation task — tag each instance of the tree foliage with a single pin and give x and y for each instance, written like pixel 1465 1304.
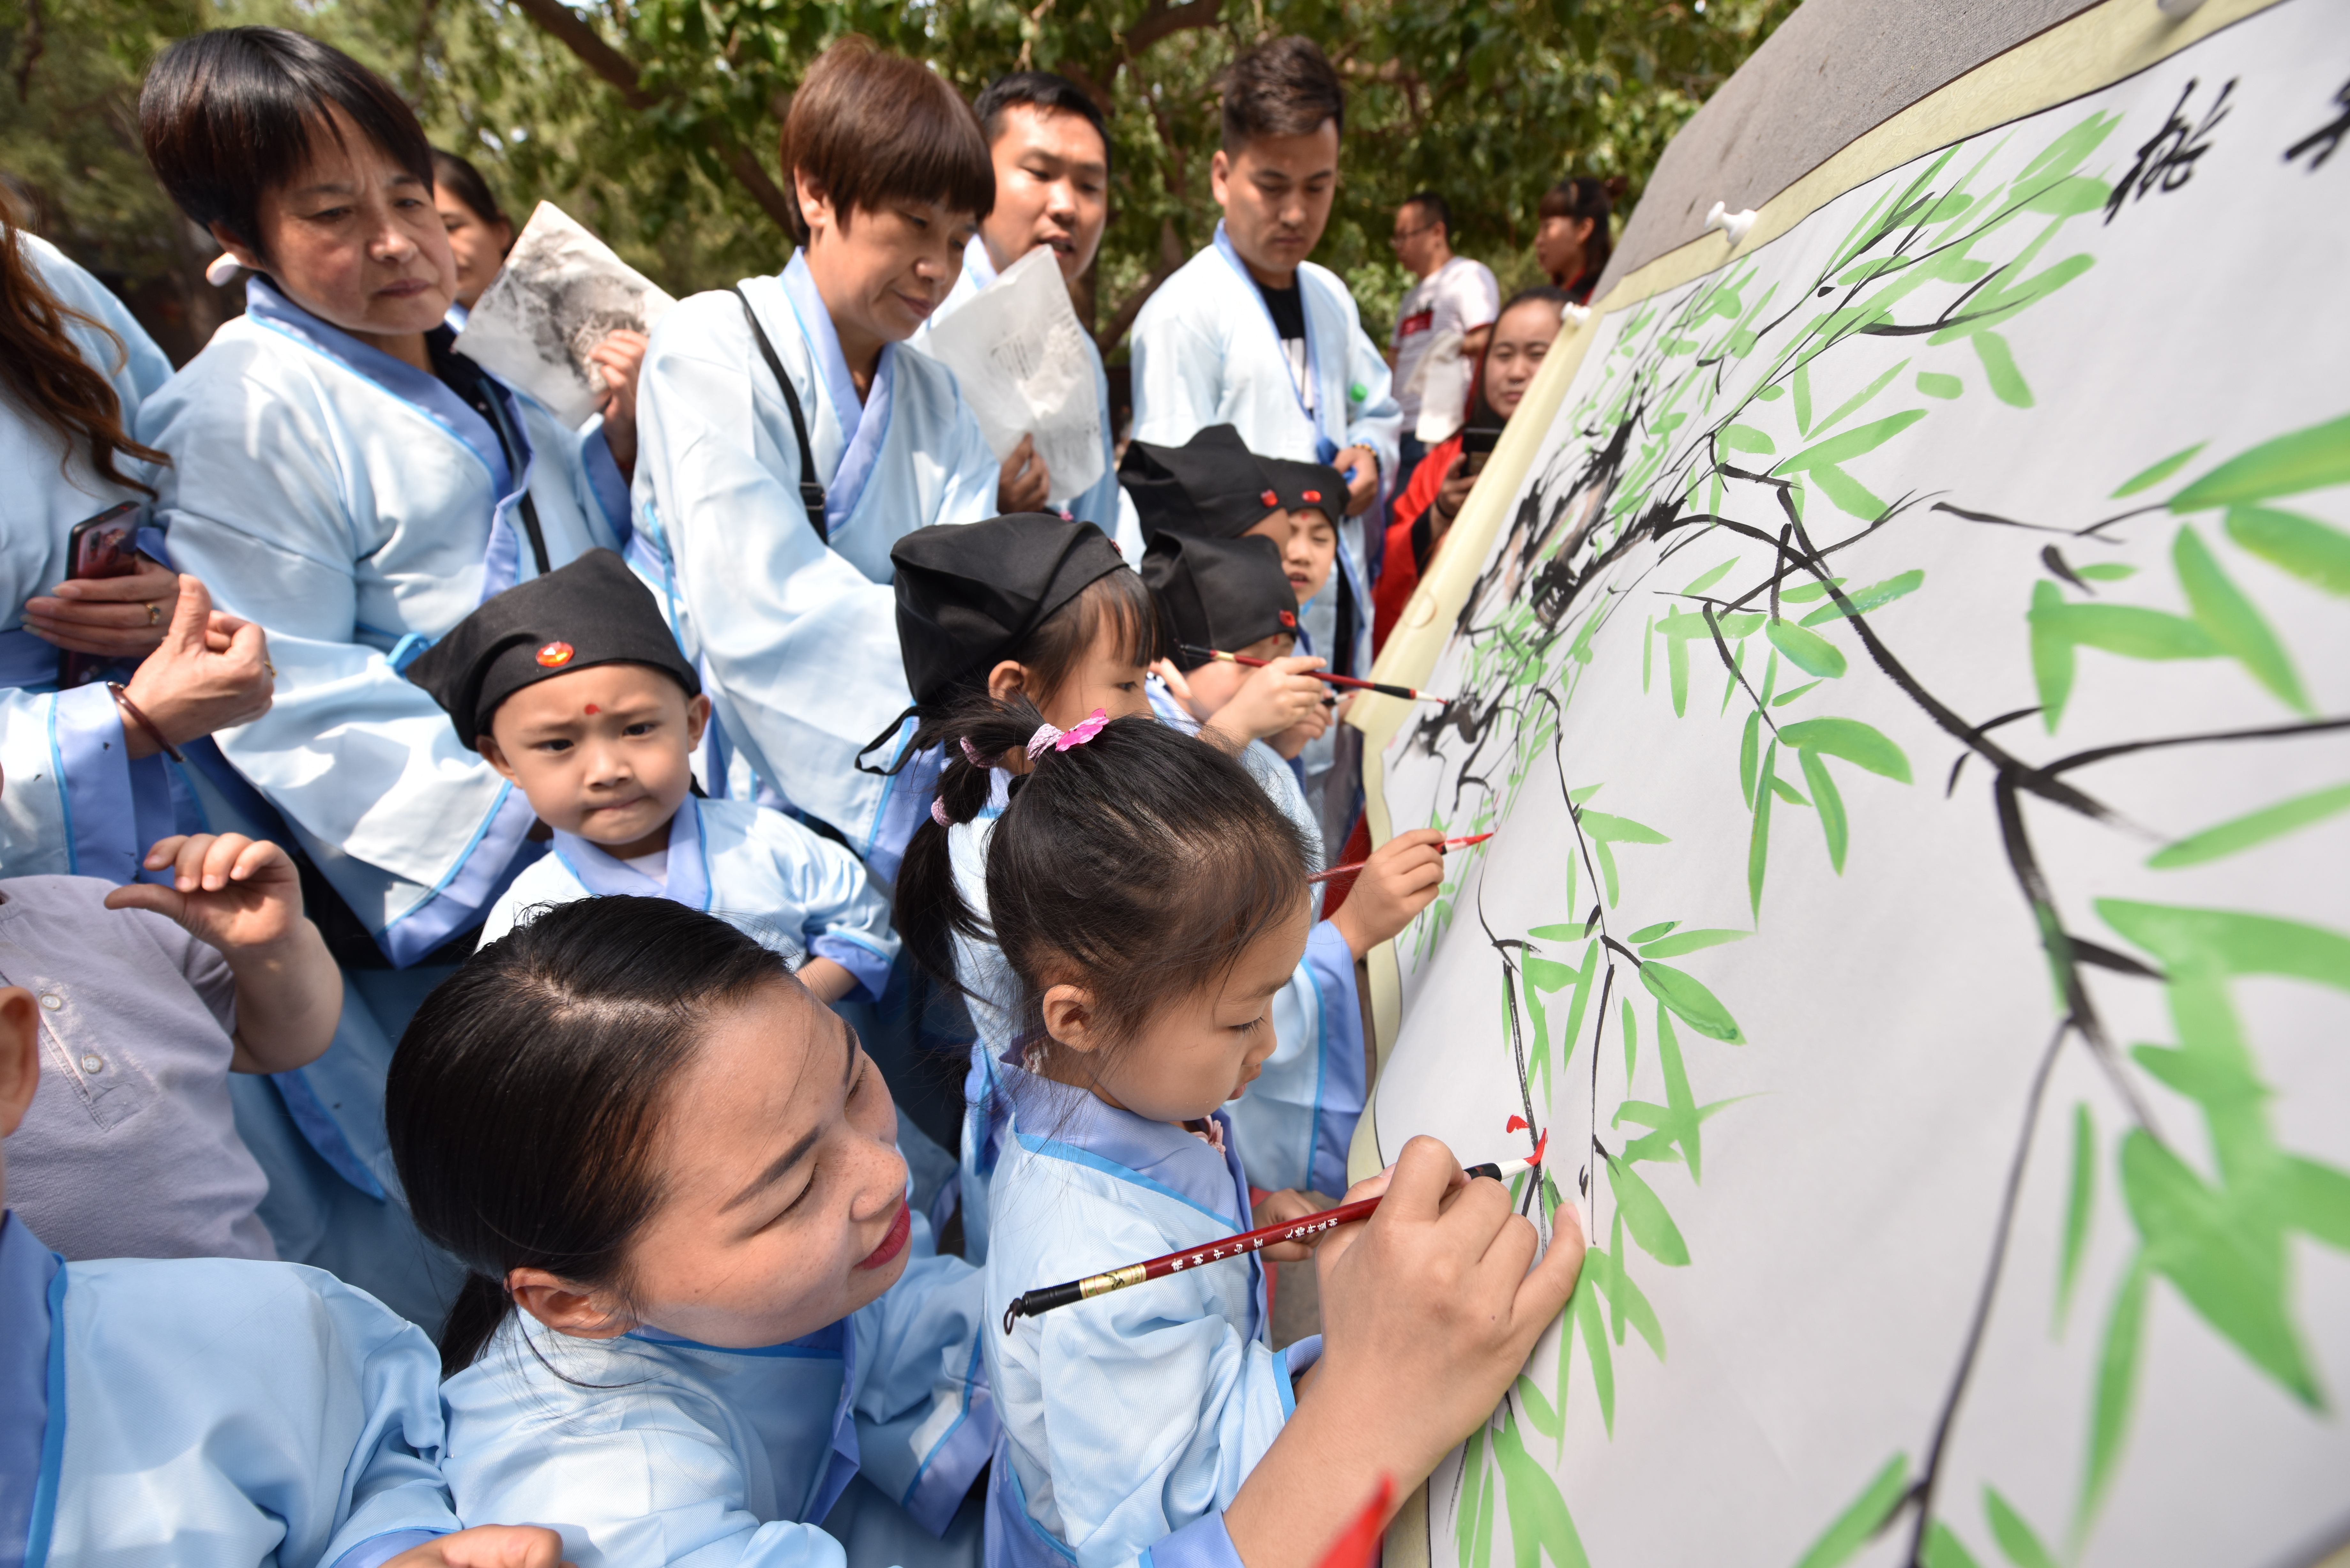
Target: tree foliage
pixel 655 120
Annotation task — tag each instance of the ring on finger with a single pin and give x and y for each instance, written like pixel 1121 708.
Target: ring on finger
pixel 154 613
pixel 269 667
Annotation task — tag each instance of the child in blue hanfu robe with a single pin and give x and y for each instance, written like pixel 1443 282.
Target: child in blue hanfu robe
pixel 1148 881
pixel 76 805
pixel 573 688
pixel 721 1336
pixel 753 402
pixel 207 1413
pixel 1045 608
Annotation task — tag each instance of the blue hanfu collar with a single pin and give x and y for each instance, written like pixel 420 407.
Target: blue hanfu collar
pixel 32 1392
pixel 427 393
pixel 1325 449
pixel 604 874
pixel 864 423
pixel 834 1340
pixel 1152 1154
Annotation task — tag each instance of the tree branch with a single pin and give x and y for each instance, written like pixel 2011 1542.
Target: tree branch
pixel 1163 21
pixel 565 26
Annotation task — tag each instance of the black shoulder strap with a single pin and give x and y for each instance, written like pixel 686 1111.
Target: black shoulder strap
pixel 811 493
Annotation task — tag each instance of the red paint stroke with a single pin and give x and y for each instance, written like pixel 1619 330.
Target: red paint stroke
pixel 1516 1124
pixel 1541 1144
pixel 1358 1545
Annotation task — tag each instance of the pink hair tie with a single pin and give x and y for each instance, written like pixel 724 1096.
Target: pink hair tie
pixel 939 813
pixel 970 754
pixel 1061 740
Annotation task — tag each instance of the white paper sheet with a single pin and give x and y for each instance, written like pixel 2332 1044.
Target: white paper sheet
pixel 562 293
pixel 1019 351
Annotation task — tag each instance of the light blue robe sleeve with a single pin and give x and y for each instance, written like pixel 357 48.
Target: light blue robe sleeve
pixel 843 916
pixel 544 881
pixel 73 803
pixel 1374 418
pixel 1178 368
pixel 1293 1125
pixel 925 1420
pixel 361 761
pixel 1152 1412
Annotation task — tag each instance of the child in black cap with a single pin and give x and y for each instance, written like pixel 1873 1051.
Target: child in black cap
pixel 573 688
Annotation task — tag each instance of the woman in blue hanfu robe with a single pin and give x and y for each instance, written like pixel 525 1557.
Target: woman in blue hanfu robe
pixel 341 478
pixel 784 598
pixel 76 805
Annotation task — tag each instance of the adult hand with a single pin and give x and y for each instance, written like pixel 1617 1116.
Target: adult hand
pixel 1398 881
pixel 1361 467
pixel 228 891
pixel 1451 497
pixel 488 1546
pixel 1270 700
pixel 1022 484
pixel 114 617
pixel 1311 728
pixel 1429 1313
pixel 620 357
pixel 212 671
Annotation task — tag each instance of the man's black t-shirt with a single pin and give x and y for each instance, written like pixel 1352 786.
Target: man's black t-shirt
pixel 1288 308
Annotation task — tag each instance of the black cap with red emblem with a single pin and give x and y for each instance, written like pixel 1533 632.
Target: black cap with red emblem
pixel 1222 593
pixel 1212 486
pixel 593 611
pixel 1307 486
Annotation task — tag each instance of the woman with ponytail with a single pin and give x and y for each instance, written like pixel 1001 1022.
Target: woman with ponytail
pixel 88 787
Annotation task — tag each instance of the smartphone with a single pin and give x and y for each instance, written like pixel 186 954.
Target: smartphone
pixel 1476 446
pixel 105 546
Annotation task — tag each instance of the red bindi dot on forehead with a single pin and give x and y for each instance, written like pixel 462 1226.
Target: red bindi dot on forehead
pixel 593 709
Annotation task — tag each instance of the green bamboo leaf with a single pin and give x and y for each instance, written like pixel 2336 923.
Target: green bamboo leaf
pixel 1540 1524
pixel 1859 1523
pixel 1584 980
pixel 1676 672
pixel 1647 654
pixel 1628 1304
pixel 1650 933
pixel 1806 651
pixel 1710 577
pixel 1679 1100
pixel 1606 858
pixel 2054 660
pixel 2316 1198
pixel 1863 396
pixel 2234 622
pixel 2130 630
pixel 1645 1216
pixel 2239 834
pixel 1847 492
pixel 2307 548
pixel 1853 443
pixel 2070 151
pixel 1631 1032
pixel 1857 743
pixel 1787 792
pixel 1584 1305
pixel 1746 438
pixel 1864 600
pixel 1935 384
pixel 1473 1483
pixel 1749 748
pixel 2015 1537
pixel 1784 698
pixel 2225 943
pixel 1802 381
pixel 2311 458
pixel 2147 478
pixel 1758 843
pixel 2080 1208
pixel 1569 932
pixel 1944 1550
pixel 1540 1413
pixel 1690 942
pixel 2105 571
pixel 2228 1264
pixel 1489 1495
pixel 1805 593
pixel 2117 1392
pixel 1835 825
pixel 1606 829
pixel 2007 382
pixel 1544 974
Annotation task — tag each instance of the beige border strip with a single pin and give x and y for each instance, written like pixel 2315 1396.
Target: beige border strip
pixel 2087 52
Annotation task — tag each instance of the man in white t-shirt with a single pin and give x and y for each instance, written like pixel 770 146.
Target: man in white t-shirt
pixel 1454 293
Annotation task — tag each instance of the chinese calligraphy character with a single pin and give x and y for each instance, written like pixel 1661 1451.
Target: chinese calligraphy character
pixel 2326 138
pixel 2167 160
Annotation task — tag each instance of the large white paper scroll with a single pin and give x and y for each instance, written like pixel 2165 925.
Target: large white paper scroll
pixel 562 293
pixel 1019 352
pixel 1909 688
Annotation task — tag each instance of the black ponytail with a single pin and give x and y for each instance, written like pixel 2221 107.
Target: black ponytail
pixel 524 1097
pixel 1145 860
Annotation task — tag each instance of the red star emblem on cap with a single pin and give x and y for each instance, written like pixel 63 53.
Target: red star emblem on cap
pixel 556 655
pixel 1269 499
pixel 1313 498
pixel 1289 620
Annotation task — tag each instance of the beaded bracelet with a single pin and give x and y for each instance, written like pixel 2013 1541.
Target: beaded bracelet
pixel 122 699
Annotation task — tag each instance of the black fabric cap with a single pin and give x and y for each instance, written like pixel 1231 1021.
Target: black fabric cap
pixel 968 594
pixel 1212 486
pixel 593 611
pixel 1222 593
pixel 1301 485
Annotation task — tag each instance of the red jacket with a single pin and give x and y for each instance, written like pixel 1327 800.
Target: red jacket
pixel 1401 563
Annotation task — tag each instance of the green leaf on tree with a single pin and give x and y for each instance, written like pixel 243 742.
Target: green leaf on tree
pixel 2234 622
pixel 1864 600
pixel 2117 1392
pixel 1689 941
pixel 2015 1537
pixel 1806 651
pixel 2242 833
pixel 1859 1523
pixel 1860 744
pixel 1645 1217
pixel 2148 477
pixel 2311 458
pixel 2310 550
pixel 1835 825
pixel 2080 1208
pixel 1688 997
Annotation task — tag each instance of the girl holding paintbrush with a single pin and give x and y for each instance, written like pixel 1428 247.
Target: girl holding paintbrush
pixel 1150 904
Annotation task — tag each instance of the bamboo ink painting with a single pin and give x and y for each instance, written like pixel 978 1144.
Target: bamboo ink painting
pixel 1909 694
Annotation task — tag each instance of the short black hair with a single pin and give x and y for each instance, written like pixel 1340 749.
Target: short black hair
pixel 1046 90
pixel 1433 207
pixel 870 128
pixel 229 114
pixel 1284 86
pixel 459 177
